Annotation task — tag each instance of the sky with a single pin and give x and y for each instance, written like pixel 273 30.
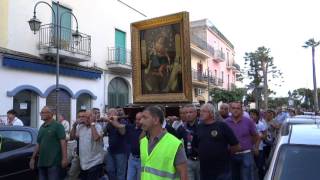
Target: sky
pixel 281 25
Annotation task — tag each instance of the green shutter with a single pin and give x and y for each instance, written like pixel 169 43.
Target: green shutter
pixel 65 24
pixel 120 44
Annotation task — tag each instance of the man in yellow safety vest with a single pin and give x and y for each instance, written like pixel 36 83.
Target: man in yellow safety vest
pixel 162 155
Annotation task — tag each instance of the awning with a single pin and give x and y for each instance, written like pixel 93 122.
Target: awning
pixel 20 63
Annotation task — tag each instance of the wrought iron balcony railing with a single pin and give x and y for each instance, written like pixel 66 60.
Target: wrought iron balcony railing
pixel 198 75
pixel 213 80
pixel 203 77
pixel 117 55
pixel 48 38
pixel 220 55
pixel 202 44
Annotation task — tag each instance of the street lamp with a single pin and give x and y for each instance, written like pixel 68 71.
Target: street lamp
pixel 35 25
pixel 312 43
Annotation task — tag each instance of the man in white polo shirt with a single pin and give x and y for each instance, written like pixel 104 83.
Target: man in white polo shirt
pixel 90 146
pixel 12 120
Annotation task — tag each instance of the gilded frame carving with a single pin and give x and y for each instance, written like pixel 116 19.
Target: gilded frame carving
pixel 178 90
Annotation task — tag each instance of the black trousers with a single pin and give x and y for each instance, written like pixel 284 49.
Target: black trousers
pixel 91 174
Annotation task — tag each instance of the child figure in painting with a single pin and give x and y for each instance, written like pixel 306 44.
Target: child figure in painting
pixel 159 60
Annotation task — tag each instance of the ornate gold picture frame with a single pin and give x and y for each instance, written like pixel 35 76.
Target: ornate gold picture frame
pixel 161 59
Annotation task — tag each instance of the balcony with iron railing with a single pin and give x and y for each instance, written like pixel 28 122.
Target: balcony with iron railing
pixel 230 65
pixel 198 75
pixel 199 78
pixel 119 59
pixel 236 67
pixel 219 56
pixel 70 49
pixel 213 81
pixel 202 44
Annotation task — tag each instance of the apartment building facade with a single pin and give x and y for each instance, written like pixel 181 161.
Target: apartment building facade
pixel 94 72
pixel 212 60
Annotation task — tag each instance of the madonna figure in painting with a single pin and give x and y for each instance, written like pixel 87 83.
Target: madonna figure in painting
pixel 161 60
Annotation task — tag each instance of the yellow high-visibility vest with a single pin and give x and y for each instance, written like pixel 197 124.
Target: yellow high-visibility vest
pixel 159 164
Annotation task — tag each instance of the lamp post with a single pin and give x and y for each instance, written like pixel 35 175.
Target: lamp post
pixel 35 25
pixel 312 43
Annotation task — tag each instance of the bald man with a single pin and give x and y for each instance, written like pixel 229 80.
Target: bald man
pixel 51 140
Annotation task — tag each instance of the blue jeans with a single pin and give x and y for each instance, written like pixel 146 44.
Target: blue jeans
pixel 260 163
pixel 193 169
pixel 134 168
pixel 116 165
pixel 50 173
pixel 242 166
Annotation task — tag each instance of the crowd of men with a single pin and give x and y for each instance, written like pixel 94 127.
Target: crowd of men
pixel 197 144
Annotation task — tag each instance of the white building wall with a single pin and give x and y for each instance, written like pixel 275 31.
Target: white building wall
pixel 13 78
pixel 97 18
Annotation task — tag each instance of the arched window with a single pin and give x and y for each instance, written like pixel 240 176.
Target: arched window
pixel 84 102
pixel 118 93
pixel 64 102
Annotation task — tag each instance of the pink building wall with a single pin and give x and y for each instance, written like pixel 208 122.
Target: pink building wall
pixel 203 29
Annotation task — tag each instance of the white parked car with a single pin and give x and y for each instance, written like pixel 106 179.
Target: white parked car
pixel 297 153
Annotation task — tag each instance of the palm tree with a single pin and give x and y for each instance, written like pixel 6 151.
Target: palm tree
pixel 312 43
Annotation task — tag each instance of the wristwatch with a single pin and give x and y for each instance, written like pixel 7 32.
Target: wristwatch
pixel 93 124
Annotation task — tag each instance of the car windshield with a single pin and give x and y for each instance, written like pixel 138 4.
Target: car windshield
pixel 296 162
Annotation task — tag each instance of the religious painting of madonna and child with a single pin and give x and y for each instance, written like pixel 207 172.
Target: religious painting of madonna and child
pixel 161 59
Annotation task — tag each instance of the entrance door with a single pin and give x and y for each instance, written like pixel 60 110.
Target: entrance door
pixel 25 103
pixel 120 43
pixel 118 93
pixel 199 71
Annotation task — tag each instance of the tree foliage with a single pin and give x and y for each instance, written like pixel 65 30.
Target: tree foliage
pixel 303 97
pixel 277 102
pixel 260 69
pixel 218 95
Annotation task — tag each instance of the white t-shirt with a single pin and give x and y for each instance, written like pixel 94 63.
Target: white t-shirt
pixel 66 126
pixel 16 122
pixel 261 126
pixel 177 124
pixel 90 151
